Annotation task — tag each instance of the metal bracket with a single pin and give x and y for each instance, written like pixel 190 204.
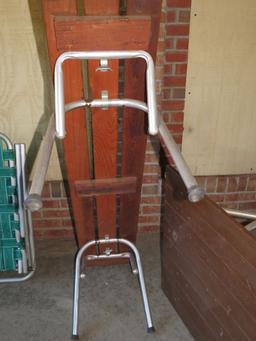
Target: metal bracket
pixel 104 67
pixel 104 97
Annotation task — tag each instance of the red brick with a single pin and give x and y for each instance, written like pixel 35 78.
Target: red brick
pixel 182 44
pixel 173 105
pixel 175 128
pixel 55 213
pixel 161 46
pixel 211 184
pixel 184 16
pixel 67 222
pixel 148 228
pixel 151 158
pixel 166 93
pixel 55 233
pixel 47 223
pixel 151 200
pixel 177 30
pixel 50 203
pixel 181 69
pixel 169 44
pixel 177 116
pixel 149 219
pixel 217 197
pixel 174 81
pixel 151 209
pixel 221 184
pixel 251 183
pixel 64 203
pixel 36 215
pixel 168 69
pixel 46 190
pixel 178 93
pixel 150 179
pixel 151 169
pixel 201 181
pixel 232 183
pixel 171 16
pixel 179 3
pixel 242 184
pixel 247 205
pixel 152 189
pixel 178 139
pixel 231 196
pixel 176 56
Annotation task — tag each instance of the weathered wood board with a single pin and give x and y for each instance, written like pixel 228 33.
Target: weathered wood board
pixel 208 267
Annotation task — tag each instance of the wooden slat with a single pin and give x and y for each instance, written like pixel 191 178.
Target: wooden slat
pixel 215 256
pixel 207 286
pixel 75 143
pixel 118 185
pixel 134 130
pixel 102 33
pixel 104 122
pixel 195 322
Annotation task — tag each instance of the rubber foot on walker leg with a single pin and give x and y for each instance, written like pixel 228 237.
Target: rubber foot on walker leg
pixel 151 330
pixel 74 337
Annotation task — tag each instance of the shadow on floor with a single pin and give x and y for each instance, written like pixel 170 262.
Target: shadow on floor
pixel 110 309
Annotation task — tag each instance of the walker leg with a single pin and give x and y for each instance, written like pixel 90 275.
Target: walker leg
pixel 75 315
pixel 150 327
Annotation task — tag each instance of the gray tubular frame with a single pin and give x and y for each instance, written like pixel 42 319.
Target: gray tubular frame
pixel 25 218
pixel 76 292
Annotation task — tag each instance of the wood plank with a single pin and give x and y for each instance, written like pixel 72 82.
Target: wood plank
pixel 202 242
pixel 99 7
pixel 195 322
pixel 104 122
pixel 134 132
pixel 196 276
pixel 75 143
pixel 118 185
pixel 215 238
pixel 102 33
pixel 213 321
pixel 186 257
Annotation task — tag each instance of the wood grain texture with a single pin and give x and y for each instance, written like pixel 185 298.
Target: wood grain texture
pixel 75 143
pixel 118 185
pixel 135 130
pixel 104 122
pixel 208 259
pixel 220 86
pixel 101 33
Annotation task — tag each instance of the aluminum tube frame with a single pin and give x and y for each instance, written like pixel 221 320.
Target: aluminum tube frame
pixel 195 192
pixel 34 201
pixel 80 55
pixel 101 103
pixel 240 214
pixel 76 292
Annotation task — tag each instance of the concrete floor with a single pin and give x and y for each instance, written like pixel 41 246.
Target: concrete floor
pixel 110 309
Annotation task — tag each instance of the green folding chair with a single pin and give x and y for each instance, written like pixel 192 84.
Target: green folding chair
pixel 17 252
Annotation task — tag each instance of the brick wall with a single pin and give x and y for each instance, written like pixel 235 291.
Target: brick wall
pixel 171 67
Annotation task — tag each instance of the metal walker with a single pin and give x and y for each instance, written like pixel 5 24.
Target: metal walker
pixel 155 126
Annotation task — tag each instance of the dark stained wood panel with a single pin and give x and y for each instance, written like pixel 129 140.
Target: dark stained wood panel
pixel 209 260
pixel 134 121
pixel 102 33
pixel 118 185
pixel 75 142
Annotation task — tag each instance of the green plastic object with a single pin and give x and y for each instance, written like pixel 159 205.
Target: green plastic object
pixel 11 245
